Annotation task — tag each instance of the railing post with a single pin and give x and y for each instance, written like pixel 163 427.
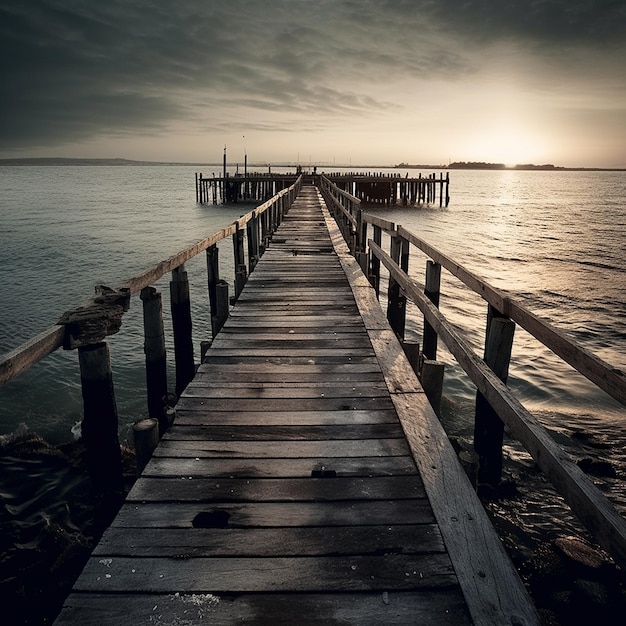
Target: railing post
pixel 154 349
pixel 146 439
pixel 488 427
pixel 99 426
pixel 213 276
pixel 240 261
pixel 432 289
pixel 252 229
pixel 396 303
pixel 375 261
pixel 181 322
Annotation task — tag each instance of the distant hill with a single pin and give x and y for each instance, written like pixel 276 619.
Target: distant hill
pixel 548 167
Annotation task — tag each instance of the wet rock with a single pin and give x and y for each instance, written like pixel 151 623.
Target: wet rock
pixel 580 552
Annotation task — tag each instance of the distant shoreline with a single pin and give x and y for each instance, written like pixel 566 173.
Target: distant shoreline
pixel 461 165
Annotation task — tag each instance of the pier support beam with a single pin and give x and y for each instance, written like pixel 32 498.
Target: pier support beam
pixel 99 425
pixel 156 361
pixel 488 427
pixel 181 322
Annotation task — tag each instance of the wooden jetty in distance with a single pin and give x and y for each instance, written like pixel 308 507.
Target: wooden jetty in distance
pixel 303 475
pixel 372 188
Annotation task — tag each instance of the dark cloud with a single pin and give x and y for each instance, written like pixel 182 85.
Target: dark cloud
pixel 76 69
pixel 545 23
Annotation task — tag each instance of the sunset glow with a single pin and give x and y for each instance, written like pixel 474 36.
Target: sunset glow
pixel 336 81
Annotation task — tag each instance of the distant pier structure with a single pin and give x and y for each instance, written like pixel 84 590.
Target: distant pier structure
pixel 372 188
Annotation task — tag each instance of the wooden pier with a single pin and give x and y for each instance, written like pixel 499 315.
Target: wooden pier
pixel 303 475
pixel 306 478
pixel 371 188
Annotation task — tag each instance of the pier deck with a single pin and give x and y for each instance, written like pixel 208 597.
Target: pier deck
pixel 306 478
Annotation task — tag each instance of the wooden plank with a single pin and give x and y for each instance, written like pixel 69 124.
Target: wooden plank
pixel 277 514
pixel 292 404
pixel 347 345
pixel 295 574
pixel 279 468
pixel 393 608
pixel 281 449
pixel 209 490
pixel 338 424
pixel 293 541
pixel 219 374
pixel 257 430
pixel 281 391
pixel 330 363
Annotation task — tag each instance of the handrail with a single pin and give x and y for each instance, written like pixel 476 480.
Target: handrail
pixel 21 358
pixel 585 499
pixel 604 375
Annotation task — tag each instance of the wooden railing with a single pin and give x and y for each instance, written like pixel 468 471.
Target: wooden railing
pixel 86 327
pixel 496 406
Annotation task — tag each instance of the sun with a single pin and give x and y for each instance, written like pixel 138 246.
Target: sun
pixel 511 146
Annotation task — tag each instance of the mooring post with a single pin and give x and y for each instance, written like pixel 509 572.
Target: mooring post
pixel 154 349
pixel 447 188
pixel 181 322
pixel 146 439
pixel 213 276
pixel 488 427
pixel 396 302
pixel 432 289
pixel 240 261
pixel 252 231
pixel 375 261
pixel 431 378
pixel 222 304
pixel 99 426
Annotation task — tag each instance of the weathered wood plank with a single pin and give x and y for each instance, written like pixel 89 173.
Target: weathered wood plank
pixel 338 424
pixel 280 468
pixel 217 575
pixel 328 363
pixel 289 376
pixel 291 404
pixel 277 514
pixel 393 608
pixel 281 449
pixel 293 541
pixel 259 431
pixel 209 490
pixel 280 391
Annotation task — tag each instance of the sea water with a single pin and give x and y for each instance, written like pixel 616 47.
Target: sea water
pixel 556 240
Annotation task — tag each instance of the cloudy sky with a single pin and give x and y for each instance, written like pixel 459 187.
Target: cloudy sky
pixel 344 81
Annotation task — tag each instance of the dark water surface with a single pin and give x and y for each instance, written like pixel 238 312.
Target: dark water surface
pixel 556 240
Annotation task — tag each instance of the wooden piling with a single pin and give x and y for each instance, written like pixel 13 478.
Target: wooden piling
pixel 100 422
pixel 488 427
pixel 222 307
pixel 396 301
pixel 240 261
pixel 432 289
pixel 431 378
pixel 146 439
pixel 154 349
pixel 252 233
pixel 213 276
pixel 181 322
